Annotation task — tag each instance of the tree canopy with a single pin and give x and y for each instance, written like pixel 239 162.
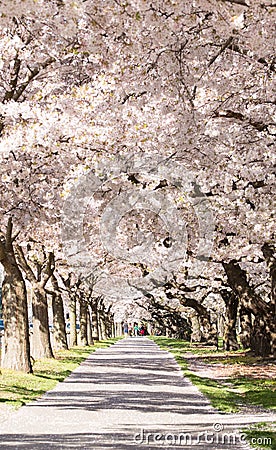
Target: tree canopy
pixel 144 136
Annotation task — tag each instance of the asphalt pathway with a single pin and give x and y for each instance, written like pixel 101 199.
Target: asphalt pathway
pixel 129 396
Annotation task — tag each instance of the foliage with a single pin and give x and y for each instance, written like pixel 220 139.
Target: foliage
pixel 85 82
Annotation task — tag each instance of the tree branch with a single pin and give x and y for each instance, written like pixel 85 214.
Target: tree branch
pixel 14 79
pixel 33 73
pixel 24 264
pixel 238 2
pixel 223 48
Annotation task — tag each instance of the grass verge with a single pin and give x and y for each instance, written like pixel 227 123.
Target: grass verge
pixel 261 436
pixel 19 388
pixel 227 394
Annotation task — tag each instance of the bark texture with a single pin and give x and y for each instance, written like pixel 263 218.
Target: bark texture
pixel 261 339
pixel 230 341
pixel 38 276
pixel 16 346
pixel 60 340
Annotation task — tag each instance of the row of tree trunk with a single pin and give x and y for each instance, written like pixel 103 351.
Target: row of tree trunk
pixel 18 349
pixel 257 317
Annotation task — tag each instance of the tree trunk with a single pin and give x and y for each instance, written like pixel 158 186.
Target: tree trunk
pixel 16 346
pixel 38 277
pixel 103 329
pixel 260 342
pixel 60 340
pixel 196 333
pixel 73 322
pixel 89 328
pixel 208 331
pixel 230 341
pixel 113 330
pixel 107 324
pixel 41 344
pixel 118 329
pixel 268 252
pixel 246 328
pixel 83 323
pixel 95 321
pixel 261 337
pixel 100 328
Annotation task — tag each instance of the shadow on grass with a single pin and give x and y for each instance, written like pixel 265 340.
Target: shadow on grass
pixel 262 392
pixel 224 400
pixel 19 388
pixel 59 377
pixel 233 392
pixel 261 436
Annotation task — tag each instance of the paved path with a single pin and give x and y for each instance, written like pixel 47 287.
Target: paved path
pixel 129 396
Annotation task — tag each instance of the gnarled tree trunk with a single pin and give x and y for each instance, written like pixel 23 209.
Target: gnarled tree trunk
pixel 16 347
pixel 230 341
pixel 83 323
pixel 41 344
pixel 261 336
pixel 246 327
pixel 208 330
pixel 60 340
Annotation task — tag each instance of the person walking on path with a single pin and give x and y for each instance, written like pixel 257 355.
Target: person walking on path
pixel 125 327
pixel 136 329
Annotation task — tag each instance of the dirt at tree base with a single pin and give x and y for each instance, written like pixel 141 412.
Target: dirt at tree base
pixel 200 365
pixel 223 373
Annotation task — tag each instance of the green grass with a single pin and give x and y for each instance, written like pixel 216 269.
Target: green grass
pixel 224 399
pixel 261 436
pixel 19 388
pixel 183 346
pixel 225 395
pixel 257 391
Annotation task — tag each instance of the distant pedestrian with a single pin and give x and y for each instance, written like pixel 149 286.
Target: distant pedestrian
pixel 136 329
pixel 142 330
pixel 125 327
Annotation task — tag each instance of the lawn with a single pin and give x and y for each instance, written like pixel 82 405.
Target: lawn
pixel 232 381
pixel 19 388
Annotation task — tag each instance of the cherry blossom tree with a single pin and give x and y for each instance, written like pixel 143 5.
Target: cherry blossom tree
pixel 193 83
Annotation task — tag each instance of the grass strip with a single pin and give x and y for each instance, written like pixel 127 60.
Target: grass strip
pixel 227 395
pixel 19 388
pixel 261 436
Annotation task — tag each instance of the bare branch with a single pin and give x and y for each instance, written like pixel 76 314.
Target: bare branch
pixel 33 73
pixel 14 79
pixel 223 48
pixel 22 262
pixel 237 2
pixel 9 234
